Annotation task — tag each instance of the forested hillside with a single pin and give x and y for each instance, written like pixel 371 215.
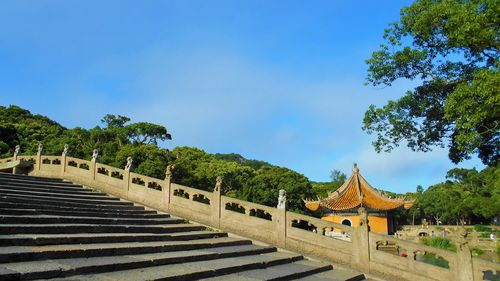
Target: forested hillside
pixel 117 138
pixel 468 196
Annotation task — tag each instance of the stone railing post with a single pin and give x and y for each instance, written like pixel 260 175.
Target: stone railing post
pixel 38 164
pixel 281 219
pixel 63 159
pixel 168 186
pixel 463 270
pixel 215 203
pixel 126 175
pixel 361 243
pixel 17 150
pixel 92 167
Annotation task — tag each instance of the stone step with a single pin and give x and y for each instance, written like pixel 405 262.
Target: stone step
pixel 29 182
pixel 69 189
pixel 92 238
pixel 25 177
pixel 7 191
pixel 68 251
pixel 68 199
pixel 79 213
pixel 21 204
pixel 85 204
pixel 288 271
pixel 92 228
pixel 76 266
pixel 76 191
pixel 194 270
pixel 337 274
pixel 44 219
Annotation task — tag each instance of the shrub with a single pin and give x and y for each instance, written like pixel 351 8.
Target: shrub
pixel 477 252
pixel 439 242
pixel 482 228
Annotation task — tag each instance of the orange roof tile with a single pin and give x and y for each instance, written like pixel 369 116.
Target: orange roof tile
pixel 356 192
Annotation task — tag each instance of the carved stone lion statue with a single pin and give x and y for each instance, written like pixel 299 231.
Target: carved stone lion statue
pixel 282 199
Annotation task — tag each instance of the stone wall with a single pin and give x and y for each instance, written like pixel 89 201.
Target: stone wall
pixel 356 247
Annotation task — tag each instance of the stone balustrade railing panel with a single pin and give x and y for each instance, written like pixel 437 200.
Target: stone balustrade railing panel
pixel 249 219
pixel 5 160
pixel 387 252
pixel 315 237
pixel 191 203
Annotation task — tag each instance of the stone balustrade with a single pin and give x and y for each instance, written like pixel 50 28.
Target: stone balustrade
pixel 356 247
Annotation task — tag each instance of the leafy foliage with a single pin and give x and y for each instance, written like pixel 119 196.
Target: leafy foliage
pixel 452 47
pixel 251 180
pixel 467 197
pixel 439 242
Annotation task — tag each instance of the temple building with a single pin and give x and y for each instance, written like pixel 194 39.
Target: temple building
pixel 341 205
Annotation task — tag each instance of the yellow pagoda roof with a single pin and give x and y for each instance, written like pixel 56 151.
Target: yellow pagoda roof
pixel 357 192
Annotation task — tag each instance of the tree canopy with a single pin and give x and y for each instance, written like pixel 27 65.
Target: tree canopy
pixel 467 196
pixel 452 48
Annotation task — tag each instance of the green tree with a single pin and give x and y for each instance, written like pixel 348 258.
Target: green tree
pixel 234 157
pixel 149 160
pixel 452 48
pixel 147 133
pixel 323 189
pixel 8 139
pixel 30 130
pixel 265 186
pixel 113 121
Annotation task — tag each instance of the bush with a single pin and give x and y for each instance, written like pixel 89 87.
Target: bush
pixel 431 258
pixel 477 252
pixel 439 242
pixel 482 228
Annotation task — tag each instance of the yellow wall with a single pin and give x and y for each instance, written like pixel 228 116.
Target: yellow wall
pixel 376 224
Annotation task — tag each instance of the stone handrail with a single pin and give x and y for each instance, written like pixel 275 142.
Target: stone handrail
pixel 356 247
pixel 404 256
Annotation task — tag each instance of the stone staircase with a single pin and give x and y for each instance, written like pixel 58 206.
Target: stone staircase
pixel 51 229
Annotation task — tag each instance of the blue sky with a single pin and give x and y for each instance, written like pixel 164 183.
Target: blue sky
pixel 279 81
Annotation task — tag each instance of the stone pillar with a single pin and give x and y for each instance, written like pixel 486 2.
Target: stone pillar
pixel 38 160
pixel 215 203
pixel 92 168
pixel 361 243
pixel 167 190
pixel 464 270
pixel 63 159
pixel 126 175
pixel 280 219
pixel 17 150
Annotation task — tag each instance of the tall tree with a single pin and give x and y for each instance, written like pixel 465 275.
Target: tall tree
pixel 452 48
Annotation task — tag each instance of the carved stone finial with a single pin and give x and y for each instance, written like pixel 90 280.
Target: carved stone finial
pixel 170 168
pixel 363 216
pixel 17 150
pixel 66 149
pixel 462 238
pixel 40 148
pixel 218 184
pixel 282 199
pixel 95 153
pixel 129 164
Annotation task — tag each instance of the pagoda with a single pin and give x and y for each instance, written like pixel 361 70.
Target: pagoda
pixel 341 205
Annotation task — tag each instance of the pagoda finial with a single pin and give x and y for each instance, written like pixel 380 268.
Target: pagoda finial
pixel 355 170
